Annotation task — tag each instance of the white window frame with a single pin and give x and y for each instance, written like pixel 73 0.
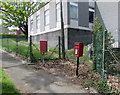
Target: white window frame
pixel 47 17
pixel 38 22
pixel 58 13
pixel 74 4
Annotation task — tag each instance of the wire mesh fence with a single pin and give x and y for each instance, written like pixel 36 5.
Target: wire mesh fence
pixel 29 50
pixel 107 59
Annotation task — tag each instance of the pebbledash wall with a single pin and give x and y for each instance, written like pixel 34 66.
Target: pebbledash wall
pixel 109 15
pixel 74 29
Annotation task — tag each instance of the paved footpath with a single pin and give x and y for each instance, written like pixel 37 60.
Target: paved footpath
pixel 27 80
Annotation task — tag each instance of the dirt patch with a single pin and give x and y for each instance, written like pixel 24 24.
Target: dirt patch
pixel 67 68
pixel 113 82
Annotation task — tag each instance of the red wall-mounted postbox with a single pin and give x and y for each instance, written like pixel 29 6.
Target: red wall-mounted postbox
pixel 43 46
pixel 78 49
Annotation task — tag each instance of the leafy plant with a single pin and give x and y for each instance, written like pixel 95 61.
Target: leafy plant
pixel 102 87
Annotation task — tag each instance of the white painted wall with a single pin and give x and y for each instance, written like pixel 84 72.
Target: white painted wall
pixel 109 15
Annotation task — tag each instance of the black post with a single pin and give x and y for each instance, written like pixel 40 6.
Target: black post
pixel 62 34
pixel 30 44
pixel 2 41
pixel 43 58
pixel 16 44
pixel 8 44
pixel 77 66
pixel 59 47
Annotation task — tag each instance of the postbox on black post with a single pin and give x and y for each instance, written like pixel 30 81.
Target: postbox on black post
pixel 78 52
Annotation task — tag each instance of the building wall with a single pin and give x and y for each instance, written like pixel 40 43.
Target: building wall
pixel 83 20
pixel 75 35
pixel 91 4
pixel 52 31
pixel 52 15
pixel 83 15
pixel 42 24
pixel 119 22
pixel 51 37
pixel 54 25
pixel 108 14
pixel 71 36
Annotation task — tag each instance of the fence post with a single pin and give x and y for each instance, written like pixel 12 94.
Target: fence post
pixel 59 47
pixel 94 50
pixel 31 54
pixel 2 43
pixel 103 59
pixel 16 44
pixel 8 44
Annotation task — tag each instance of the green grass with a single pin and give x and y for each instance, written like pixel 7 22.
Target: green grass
pixel 84 58
pixel 23 48
pixel 8 87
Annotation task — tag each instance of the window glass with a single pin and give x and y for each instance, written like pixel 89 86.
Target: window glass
pixel 73 10
pixel 38 21
pixel 47 17
pixel 91 15
pixel 58 12
pixel 31 25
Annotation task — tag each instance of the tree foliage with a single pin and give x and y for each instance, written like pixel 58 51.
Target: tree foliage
pixel 17 13
pixel 100 32
pixel 97 27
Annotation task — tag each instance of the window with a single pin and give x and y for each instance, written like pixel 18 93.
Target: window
pixel 31 25
pixel 58 12
pixel 73 10
pixel 38 21
pixel 91 15
pixel 47 17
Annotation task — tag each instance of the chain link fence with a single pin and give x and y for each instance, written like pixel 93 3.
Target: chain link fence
pixel 106 59
pixel 30 51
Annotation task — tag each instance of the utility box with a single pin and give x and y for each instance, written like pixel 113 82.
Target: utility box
pixel 43 46
pixel 78 49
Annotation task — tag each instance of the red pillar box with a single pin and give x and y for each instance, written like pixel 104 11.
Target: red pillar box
pixel 43 46
pixel 78 49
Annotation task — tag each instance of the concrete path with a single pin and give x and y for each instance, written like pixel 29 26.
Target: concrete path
pixel 27 80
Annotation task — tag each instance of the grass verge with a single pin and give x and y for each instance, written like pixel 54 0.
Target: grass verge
pixel 71 57
pixel 7 85
pixel 22 47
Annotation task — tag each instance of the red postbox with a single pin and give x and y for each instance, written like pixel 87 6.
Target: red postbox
pixel 78 49
pixel 43 46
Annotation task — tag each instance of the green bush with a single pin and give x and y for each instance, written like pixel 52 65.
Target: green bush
pixel 114 68
pixel 102 87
